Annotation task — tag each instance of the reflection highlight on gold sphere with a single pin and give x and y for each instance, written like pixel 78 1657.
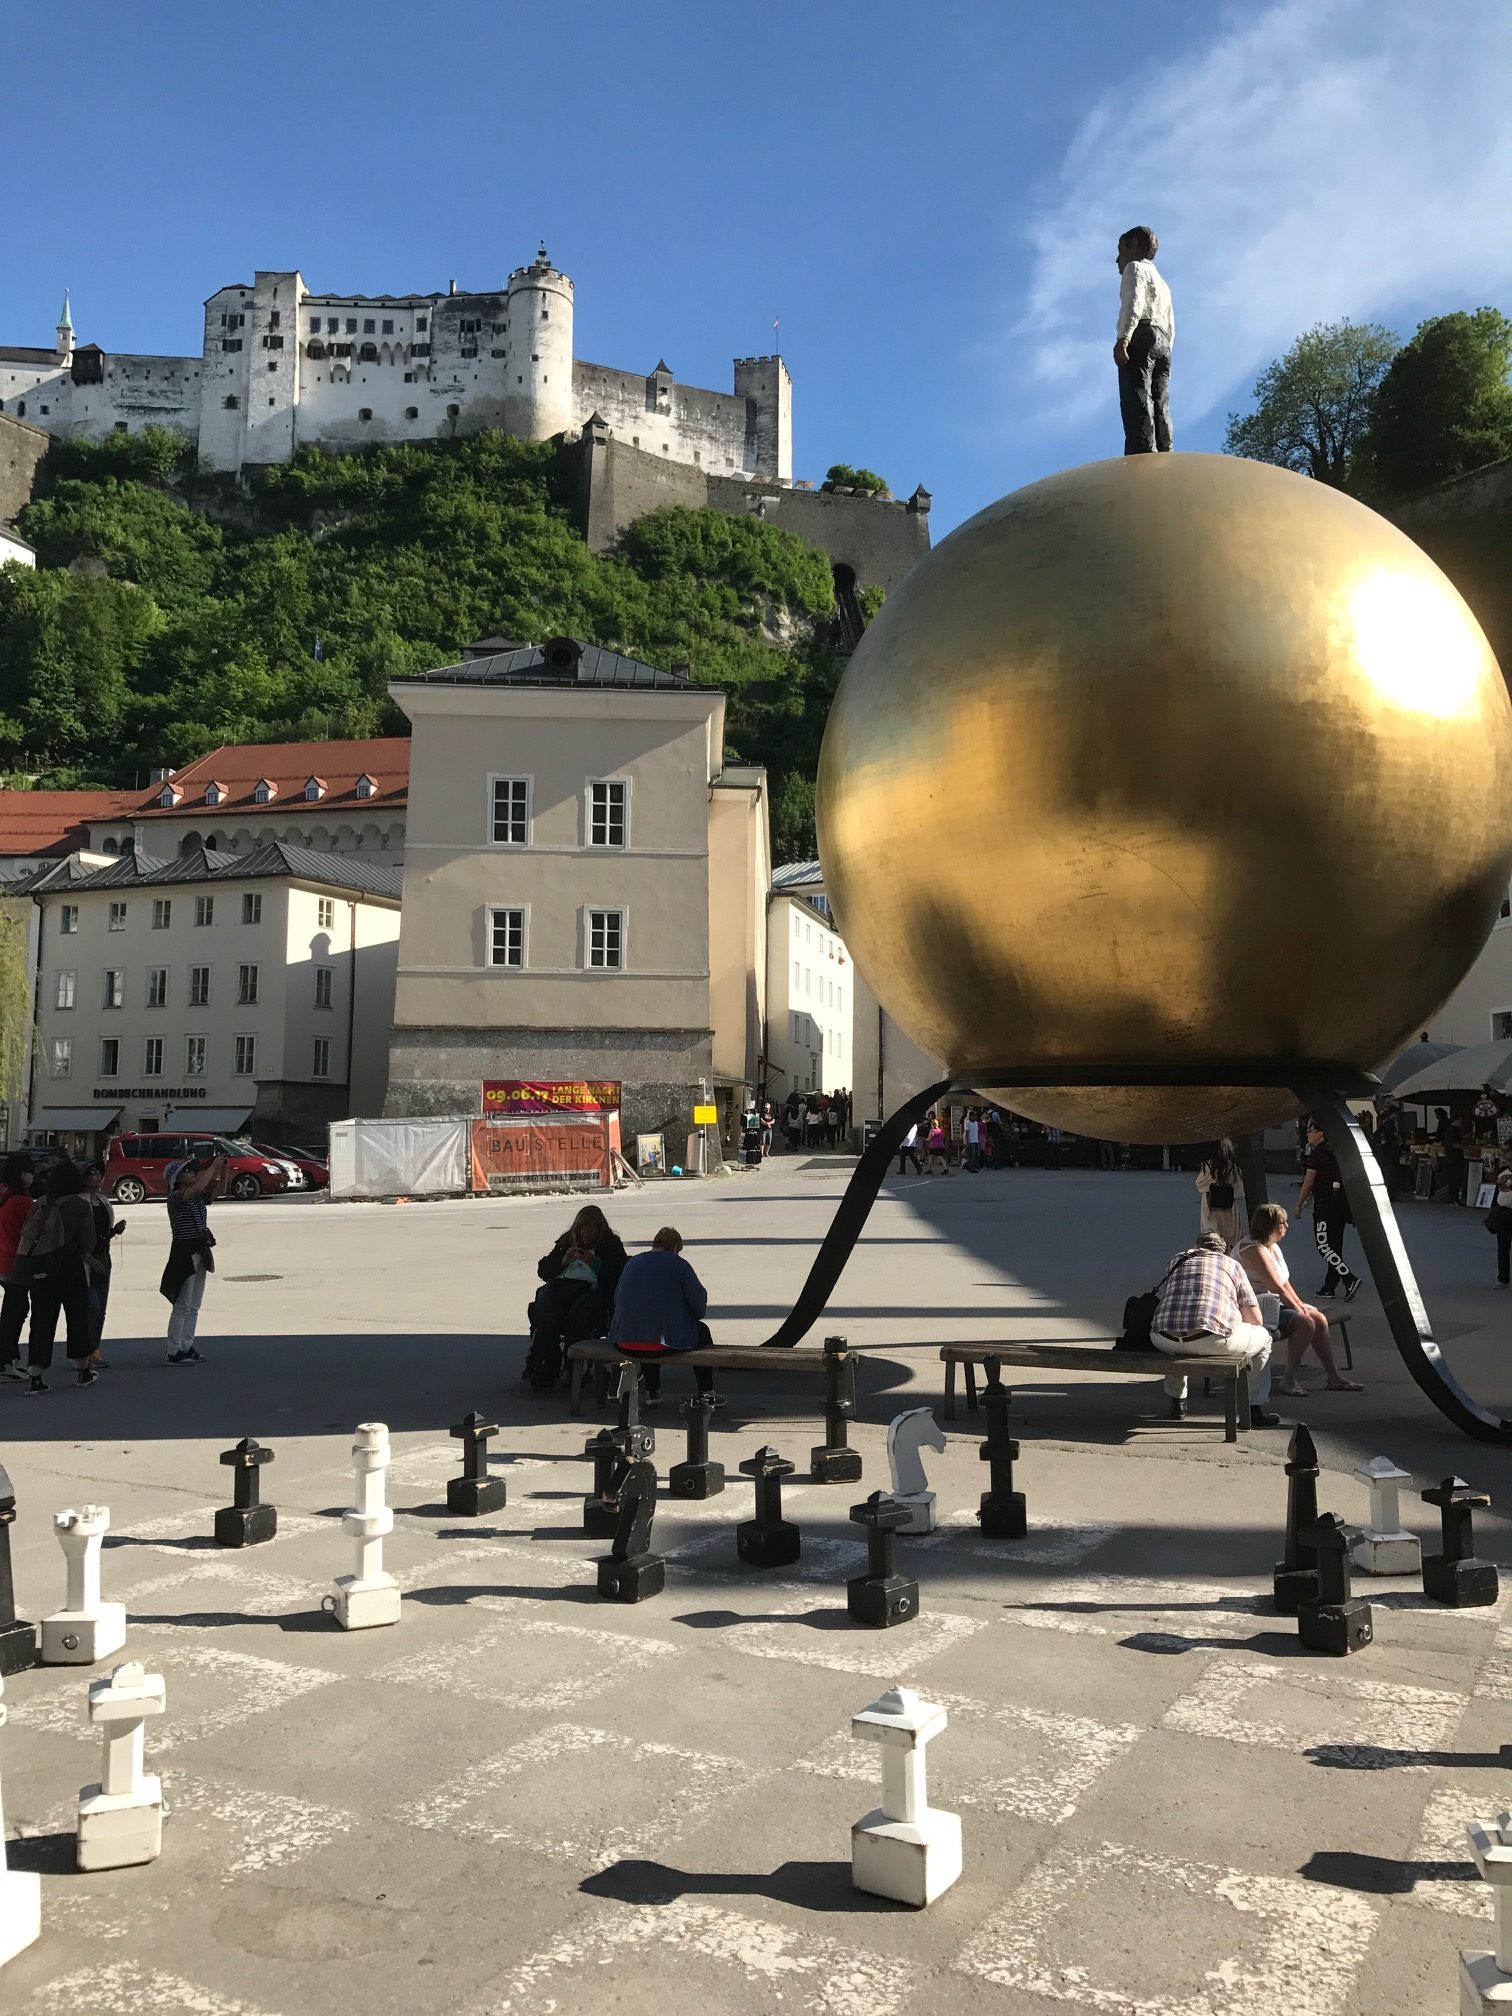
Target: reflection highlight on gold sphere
pixel 1168 764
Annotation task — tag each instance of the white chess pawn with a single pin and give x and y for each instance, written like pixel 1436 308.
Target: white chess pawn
pixel 85 1629
pixel 121 1818
pixel 907 1434
pixel 905 1849
pixel 1486 1978
pixel 20 1894
pixel 1384 1547
pixel 369 1597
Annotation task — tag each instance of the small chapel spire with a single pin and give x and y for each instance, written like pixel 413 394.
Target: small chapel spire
pixel 65 331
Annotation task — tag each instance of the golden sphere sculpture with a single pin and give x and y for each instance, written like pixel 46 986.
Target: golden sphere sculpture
pixel 1161 765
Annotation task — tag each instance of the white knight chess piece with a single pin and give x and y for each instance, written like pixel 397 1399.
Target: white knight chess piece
pixel 907 1435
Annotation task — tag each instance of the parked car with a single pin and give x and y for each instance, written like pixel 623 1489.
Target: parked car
pixel 137 1165
pixel 317 1171
pixel 285 1161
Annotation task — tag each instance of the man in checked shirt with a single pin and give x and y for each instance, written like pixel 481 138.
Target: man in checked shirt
pixel 1205 1308
pixel 1146 334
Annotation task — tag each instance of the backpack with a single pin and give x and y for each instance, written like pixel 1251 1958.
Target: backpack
pixel 1220 1196
pixel 543 1363
pixel 1139 1310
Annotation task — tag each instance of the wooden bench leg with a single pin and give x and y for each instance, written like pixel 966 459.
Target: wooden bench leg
pixel 1231 1407
pixel 575 1399
pixel 950 1389
pixel 971 1392
pixel 1242 1400
pixel 600 1385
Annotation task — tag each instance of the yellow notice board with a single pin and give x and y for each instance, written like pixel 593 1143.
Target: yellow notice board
pixel 705 1116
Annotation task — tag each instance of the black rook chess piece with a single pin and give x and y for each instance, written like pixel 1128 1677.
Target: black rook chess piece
pixel 834 1461
pixel 768 1540
pixel 601 1506
pixel 881 1596
pixel 697 1477
pixel 1334 1621
pixel 1295 1581
pixel 1001 1514
pixel 474 1491
pixel 1456 1577
pixel 18 1639
pixel 246 1520
pixel 630 1572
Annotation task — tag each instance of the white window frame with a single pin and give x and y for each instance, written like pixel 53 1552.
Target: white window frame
pixel 68 986
pixel 1497 1015
pixel 520 910
pixel 320 1059
pixel 589 912
pixel 249 989
pixel 113 1068
pixel 154 973
pixel 162 913
pixel 118 991
pixel 252 906
pixel 149 1070
pixel 203 1000
pixel 366 788
pixel 189 1065
pixel 68 920
pixel 325 913
pixel 605 846
pixel 116 921
pixel 238 1068
pixel 61 1061
pixel 495 779
pixel 204 909
pixel 326 974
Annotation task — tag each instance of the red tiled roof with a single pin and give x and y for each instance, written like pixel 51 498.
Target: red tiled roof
pixel 239 767
pixel 56 822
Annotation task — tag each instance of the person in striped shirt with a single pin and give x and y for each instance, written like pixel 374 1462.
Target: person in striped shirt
pixel 1205 1307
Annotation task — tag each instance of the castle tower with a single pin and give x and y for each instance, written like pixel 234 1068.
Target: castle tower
pixel 538 381
pixel 765 382
pixel 65 332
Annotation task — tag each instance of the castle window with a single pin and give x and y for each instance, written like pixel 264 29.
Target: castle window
pixel 272 367
pixel 535 357
pixel 470 350
pixel 121 427
pixel 315 349
pixel 409 377
pixel 271 400
pixel 272 342
pixel 314 325
pixel 452 412
pixel 421 325
pixel 21 408
pixel 351 325
pixel 367 326
pixel 232 343
pixel 47 409
pixel 364 412
pixel 388 328
pixel 231 402
pixel 274 319
pixel 411 412
pixel 498 353
pixel 368 354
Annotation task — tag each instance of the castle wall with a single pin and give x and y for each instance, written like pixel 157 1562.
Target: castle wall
pixel 22 447
pixel 715 431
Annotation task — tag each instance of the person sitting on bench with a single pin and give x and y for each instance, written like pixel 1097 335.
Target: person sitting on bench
pixel 1205 1307
pixel 581 1275
pixel 1300 1325
pixel 659 1308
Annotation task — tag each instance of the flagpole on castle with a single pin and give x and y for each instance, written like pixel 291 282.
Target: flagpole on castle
pixel 777 334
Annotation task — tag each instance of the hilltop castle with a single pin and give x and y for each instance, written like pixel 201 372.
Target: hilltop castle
pixel 282 367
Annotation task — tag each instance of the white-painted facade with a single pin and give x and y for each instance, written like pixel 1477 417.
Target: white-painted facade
pixel 811 1000
pixel 282 367
pixel 13 548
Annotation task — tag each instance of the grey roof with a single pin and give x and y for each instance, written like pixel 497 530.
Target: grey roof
pixel 798 875
pixel 528 665
pixel 273 858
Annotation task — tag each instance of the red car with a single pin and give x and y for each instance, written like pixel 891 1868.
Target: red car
pixel 137 1165
pixel 317 1173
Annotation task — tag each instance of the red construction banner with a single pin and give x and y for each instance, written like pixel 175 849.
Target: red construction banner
pixel 518 1149
pixel 534 1095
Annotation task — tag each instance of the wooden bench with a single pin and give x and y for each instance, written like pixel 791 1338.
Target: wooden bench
pixel 1099 1358
pixel 724 1357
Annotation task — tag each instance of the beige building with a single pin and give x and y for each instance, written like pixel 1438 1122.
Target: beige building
pixel 585 887
pixel 220 992
pixel 1480 1008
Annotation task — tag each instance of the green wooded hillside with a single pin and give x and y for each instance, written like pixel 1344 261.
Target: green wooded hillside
pixel 152 631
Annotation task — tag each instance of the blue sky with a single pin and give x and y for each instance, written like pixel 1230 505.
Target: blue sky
pixel 927 196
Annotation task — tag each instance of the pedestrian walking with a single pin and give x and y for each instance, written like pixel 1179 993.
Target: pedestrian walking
pixel 1499 1221
pixel 1221 1199
pixel 15 1302
pixel 192 1188
pixel 1323 1186
pixel 768 1127
pixel 53 1254
pixel 909 1152
pixel 973 1129
pixel 1142 347
pixel 938 1143
pixel 100 1261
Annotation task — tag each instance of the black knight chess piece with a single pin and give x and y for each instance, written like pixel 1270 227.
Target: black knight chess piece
pixel 246 1521
pixel 1337 1621
pixel 474 1491
pixel 1002 1513
pixel 635 1438
pixel 18 1639
pixel 834 1461
pixel 1295 1581
pixel 601 1506
pixel 1456 1577
pixel 696 1476
pixel 631 1572
pixel 768 1540
pixel 882 1596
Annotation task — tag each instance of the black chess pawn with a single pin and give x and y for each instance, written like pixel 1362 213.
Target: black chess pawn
pixel 18 1639
pixel 1335 1621
pixel 246 1520
pixel 882 1596
pixel 834 1461
pixel 768 1540
pixel 630 1572
pixel 1295 1581
pixel 1002 1514
pixel 601 1506
pixel 474 1491
pixel 697 1477
pixel 1456 1577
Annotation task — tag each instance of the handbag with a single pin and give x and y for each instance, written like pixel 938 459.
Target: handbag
pixel 1139 1311
pixel 1220 1197
pixel 1495 1218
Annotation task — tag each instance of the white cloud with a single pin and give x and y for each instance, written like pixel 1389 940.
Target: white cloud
pixel 1324 158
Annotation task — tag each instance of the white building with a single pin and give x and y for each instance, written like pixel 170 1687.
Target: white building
pixel 281 367
pixel 14 548
pixel 211 990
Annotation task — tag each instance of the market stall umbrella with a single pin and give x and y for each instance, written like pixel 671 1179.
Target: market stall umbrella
pixel 1416 1057
pixel 1469 1070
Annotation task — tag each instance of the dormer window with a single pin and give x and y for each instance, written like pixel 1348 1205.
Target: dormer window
pixel 314 788
pixel 264 792
pixel 366 788
pixel 215 794
pixel 169 796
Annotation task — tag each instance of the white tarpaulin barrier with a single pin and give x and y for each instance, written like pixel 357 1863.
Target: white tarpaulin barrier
pixel 401 1158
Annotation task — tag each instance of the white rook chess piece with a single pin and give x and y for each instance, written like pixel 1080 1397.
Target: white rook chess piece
pixel 907 1434
pixel 121 1818
pixel 85 1629
pixel 1486 1978
pixel 20 1895
pixel 1384 1548
pixel 905 1849
pixel 370 1596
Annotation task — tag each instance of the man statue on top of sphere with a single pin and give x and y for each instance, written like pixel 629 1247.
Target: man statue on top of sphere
pixel 1146 334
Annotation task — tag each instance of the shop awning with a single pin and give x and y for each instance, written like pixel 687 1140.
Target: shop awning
pixel 1416 1057
pixel 207 1119
pixel 74 1119
pixel 1483 1065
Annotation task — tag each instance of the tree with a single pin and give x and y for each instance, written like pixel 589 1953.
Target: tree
pixel 1445 406
pixel 1313 405
pixel 846 478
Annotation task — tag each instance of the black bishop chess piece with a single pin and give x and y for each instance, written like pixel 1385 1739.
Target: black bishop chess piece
pixel 630 1572
pixel 768 1540
pixel 246 1520
pixel 1295 1581
pixel 834 1461
pixel 1456 1577
pixel 1335 1621
pixel 18 1639
pixel 882 1596
pixel 474 1491
pixel 1002 1514
pixel 696 1476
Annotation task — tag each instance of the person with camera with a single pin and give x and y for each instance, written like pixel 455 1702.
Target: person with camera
pixel 192 1186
